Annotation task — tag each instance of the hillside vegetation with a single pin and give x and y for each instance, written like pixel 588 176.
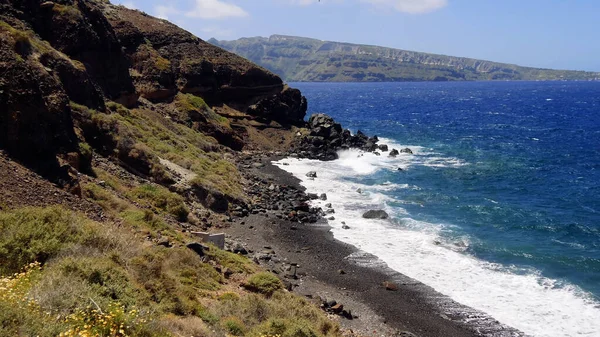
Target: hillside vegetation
pixel 119 134
pixel 303 59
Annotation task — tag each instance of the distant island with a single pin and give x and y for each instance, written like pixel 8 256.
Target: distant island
pixel 299 59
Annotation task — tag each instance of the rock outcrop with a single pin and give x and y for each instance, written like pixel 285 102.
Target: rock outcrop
pixel 166 59
pixel 326 137
pixel 64 61
pixel 375 214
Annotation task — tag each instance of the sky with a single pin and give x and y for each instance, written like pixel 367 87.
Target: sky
pixel 559 34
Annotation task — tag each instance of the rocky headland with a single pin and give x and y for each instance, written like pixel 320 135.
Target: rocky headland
pixel 123 141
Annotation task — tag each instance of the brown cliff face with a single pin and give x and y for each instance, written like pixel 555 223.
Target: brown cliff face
pixel 166 59
pixel 66 64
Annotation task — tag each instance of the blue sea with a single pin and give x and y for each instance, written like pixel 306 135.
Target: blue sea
pixel 498 207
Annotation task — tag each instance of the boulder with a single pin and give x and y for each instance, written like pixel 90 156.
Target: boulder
pixel 312 196
pixel 394 153
pixel 323 196
pixel 238 248
pixel 375 214
pixel 311 174
pixel 406 150
pixel 383 147
pixel 197 248
pixel 286 107
pixel 391 286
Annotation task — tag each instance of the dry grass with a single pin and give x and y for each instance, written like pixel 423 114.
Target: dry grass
pixel 105 280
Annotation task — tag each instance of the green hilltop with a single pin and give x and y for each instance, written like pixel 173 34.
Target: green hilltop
pixel 299 59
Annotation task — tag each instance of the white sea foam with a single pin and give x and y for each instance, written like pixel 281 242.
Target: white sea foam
pixel 536 305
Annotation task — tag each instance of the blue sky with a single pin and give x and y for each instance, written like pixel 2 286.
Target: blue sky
pixel 561 34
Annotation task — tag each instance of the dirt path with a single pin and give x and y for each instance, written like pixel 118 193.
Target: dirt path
pixel 182 175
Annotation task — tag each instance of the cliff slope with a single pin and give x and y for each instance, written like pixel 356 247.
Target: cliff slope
pixel 119 135
pixel 304 59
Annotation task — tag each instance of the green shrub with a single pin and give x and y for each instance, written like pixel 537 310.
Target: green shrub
pixel 235 263
pixel 37 234
pixel 264 283
pixel 229 297
pixel 162 199
pixel 187 103
pixel 234 326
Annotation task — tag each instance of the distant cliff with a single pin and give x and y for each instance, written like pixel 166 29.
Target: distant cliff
pixel 304 59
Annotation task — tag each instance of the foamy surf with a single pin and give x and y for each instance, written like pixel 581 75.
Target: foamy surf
pixel 533 304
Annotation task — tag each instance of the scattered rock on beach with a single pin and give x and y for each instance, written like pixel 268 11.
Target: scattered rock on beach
pixel 391 286
pixel 375 214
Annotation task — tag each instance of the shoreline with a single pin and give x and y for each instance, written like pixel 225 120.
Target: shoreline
pixel 329 269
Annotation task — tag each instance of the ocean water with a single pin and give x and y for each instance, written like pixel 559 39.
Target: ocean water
pixel 498 207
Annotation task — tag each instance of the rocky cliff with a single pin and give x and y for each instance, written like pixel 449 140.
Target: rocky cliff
pixel 79 73
pixel 303 59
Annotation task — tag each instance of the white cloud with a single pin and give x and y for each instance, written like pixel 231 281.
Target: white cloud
pixel 164 12
pixel 215 9
pixel 411 6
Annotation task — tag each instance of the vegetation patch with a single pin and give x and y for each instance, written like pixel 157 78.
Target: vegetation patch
pixel 70 13
pixel 161 199
pixel 264 283
pixel 37 234
pixel 141 136
pixel 188 103
pixel 105 280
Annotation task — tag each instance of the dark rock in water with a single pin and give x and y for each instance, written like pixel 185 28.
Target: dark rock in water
pixel 345 227
pixel 370 146
pixel 400 169
pixel 406 150
pixel 375 214
pixel 383 147
pixel 197 248
pixel 331 218
pixel 328 205
pixel 312 196
pixel 311 174
pixel 394 153
pixel 359 190
pixel 323 196
pixel 376 153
